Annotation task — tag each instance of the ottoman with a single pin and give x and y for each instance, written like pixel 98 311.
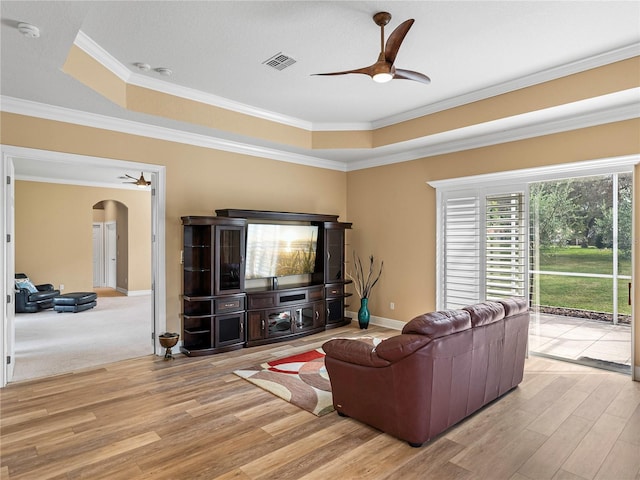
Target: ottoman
pixel 74 302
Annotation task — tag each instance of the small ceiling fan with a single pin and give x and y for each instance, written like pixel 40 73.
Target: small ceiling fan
pixel 384 69
pixel 140 182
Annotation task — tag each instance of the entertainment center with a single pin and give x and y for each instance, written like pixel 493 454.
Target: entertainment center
pixel 253 277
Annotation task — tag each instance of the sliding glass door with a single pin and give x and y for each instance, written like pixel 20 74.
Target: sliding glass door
pixel 562 241
pixel 580 269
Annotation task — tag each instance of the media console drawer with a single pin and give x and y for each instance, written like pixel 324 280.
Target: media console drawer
pixel 231 304
pixel 261 300
pixel 334 291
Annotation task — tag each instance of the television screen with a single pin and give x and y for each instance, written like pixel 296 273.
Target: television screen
pixel 280 250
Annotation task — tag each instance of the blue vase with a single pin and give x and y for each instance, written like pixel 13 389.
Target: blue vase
pixel 363 313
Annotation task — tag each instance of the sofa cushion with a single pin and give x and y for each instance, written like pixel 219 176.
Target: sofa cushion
pixel 513 306
pixel 439 324
pixel 485 313
pixel 400 346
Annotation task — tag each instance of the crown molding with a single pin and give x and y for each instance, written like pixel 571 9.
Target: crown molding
pixel 76 117
pixel 91 48
pixel 84 42
pixel 609 108
pixel 614 107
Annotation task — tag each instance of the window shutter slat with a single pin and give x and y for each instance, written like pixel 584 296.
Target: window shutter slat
pixel 462 252
pixel 505 246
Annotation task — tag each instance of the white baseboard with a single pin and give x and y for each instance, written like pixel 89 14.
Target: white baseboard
pixel 380 321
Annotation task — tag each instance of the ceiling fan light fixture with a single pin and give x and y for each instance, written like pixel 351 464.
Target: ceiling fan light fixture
pixel 382 72
pixel 382 77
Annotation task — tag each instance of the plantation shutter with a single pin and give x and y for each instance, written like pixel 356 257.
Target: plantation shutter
pixel 505 255
pixel 482 247
pixel 462 259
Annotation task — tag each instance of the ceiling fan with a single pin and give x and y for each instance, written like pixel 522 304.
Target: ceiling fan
pixel 140 182
pixel 384 69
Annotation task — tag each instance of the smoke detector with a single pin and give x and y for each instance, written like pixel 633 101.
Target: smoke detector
pixel 28 30
pixel 164 71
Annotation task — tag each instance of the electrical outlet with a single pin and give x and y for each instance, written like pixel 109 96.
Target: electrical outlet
pixel 61 287
pixel 392 306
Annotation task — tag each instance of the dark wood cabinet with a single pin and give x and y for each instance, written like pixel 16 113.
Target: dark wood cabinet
pixel 213 301
pixel 334 273
pixel 219 313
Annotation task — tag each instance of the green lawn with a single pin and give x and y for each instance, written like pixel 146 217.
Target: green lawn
pixel 582 293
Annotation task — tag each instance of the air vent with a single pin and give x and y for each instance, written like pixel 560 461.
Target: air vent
pixel 279 61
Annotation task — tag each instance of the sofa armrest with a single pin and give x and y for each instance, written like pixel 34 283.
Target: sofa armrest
pixel 44 287
pixel 401 346
pixel 354 351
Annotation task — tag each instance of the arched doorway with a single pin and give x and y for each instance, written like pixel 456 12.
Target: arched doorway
pixel 111 246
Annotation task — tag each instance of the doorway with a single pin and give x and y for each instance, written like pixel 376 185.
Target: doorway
pixel 110 167
pixel 98 254
pixel 111 257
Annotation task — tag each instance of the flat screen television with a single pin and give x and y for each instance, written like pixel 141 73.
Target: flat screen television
pixel 275 250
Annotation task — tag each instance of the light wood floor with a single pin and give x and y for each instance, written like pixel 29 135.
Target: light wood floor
pixel 192 418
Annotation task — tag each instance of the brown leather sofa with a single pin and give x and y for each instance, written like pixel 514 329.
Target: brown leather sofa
pixel 443 367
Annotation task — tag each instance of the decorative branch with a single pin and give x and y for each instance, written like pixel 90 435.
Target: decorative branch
pixel 364 286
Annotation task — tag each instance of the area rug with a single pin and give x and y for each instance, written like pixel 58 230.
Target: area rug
pixel 300 379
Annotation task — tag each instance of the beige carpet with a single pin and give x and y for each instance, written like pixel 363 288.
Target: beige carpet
pixel 50 343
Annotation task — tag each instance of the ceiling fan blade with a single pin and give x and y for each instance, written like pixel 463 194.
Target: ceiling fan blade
pixel 364 70
pixel 141 182
pixel 411 75
pixel 395 40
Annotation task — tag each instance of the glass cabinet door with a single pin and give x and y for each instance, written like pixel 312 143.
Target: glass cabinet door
pixel 335 255
pixel 279 322
pixel 230 260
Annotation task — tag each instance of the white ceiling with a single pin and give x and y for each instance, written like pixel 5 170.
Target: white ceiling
pixel 469 49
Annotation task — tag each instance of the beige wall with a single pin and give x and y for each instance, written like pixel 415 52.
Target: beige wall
pixel 53 229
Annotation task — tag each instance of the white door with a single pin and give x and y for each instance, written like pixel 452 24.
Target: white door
pixel 98 256
pixel 111 254
pixel 8 257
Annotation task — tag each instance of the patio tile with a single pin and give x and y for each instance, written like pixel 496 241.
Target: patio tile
pixel 572 338
pixel 585 332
